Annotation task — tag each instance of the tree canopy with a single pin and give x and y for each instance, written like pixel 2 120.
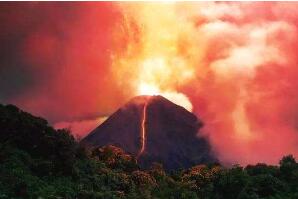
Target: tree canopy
pixel 37 161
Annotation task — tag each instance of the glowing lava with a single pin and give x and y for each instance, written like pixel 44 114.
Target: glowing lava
pixel 143 129
pixel 157 76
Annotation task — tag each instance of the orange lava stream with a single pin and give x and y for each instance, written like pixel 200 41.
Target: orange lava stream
pixel 143 132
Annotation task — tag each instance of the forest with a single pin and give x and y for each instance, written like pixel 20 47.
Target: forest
pixel 37 161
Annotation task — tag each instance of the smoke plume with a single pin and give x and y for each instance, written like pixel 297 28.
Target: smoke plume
pixel 233 64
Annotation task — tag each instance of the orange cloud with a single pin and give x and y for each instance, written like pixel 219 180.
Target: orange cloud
pixel 233 64
pixel 226 50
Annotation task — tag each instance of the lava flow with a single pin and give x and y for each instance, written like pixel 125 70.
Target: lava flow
pixel 143 129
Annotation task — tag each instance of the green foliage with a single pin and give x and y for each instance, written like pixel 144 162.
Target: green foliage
pixel 37 161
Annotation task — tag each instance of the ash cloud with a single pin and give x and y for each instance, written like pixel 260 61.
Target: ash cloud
pixel 55 58
pixel 70 61
pixel 247 96
pixel 243 55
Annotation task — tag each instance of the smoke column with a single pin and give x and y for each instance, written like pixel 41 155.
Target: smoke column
pixel 233 64
pixel 233 61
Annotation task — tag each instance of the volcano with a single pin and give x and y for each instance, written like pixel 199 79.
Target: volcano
pixel 154 129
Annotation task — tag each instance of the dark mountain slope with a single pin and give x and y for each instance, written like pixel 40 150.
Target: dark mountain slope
pixel 170 133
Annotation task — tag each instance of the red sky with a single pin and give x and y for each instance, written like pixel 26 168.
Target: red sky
pixel 233 64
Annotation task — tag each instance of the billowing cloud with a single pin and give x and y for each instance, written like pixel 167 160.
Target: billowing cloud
pixel 238 58
pixel 234 64
pixel 58 66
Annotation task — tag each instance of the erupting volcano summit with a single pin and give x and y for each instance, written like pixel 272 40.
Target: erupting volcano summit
pixel 155 130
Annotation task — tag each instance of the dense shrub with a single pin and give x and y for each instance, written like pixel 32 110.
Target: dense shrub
pixel 37 161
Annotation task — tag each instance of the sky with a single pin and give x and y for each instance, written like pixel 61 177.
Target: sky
pixel 233 64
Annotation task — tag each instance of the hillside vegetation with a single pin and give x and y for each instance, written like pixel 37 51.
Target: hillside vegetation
pixel 37 161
